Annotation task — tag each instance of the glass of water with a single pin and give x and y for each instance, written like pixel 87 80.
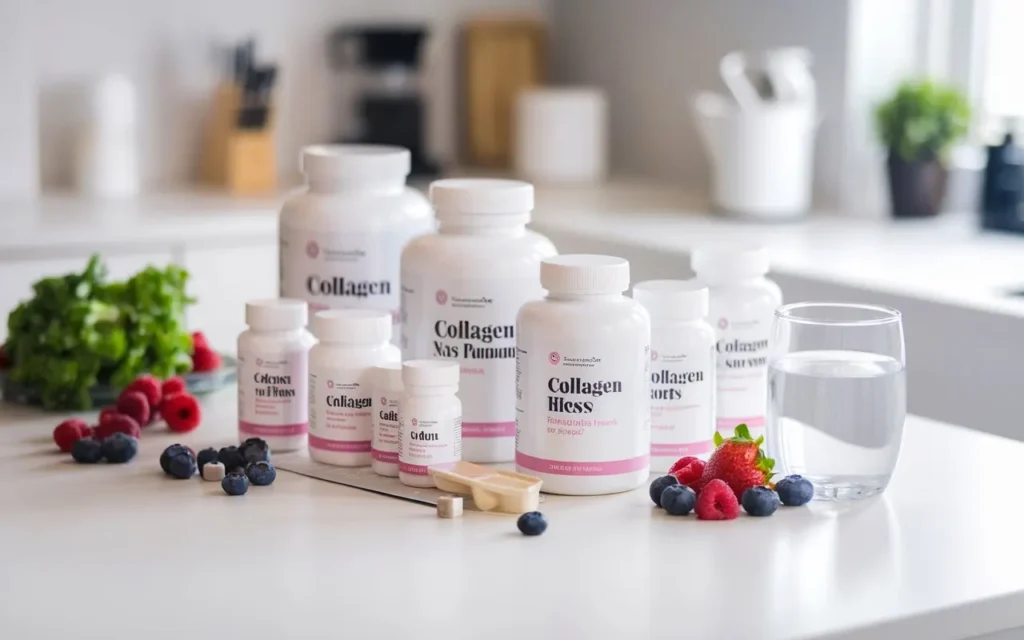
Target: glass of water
pixel 837 396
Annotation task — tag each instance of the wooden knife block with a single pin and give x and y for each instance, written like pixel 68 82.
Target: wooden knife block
pixel 244 161
pixel 501 57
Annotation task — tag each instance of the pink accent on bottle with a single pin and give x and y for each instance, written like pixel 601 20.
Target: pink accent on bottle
pixel 728 425
pixel 343 446
pixel 251 428
pixel 680 450
pixel 573 468
pixel 385 456
pixel 489 429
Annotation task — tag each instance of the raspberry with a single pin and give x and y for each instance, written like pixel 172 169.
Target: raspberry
pixel 181 411
pixel 205 359
pixel 88 432
pixel 199 341
pixel 172 386
pixel 680 463
pixel 106 412
pixel 148 386
pixel 68 433
pixel 134 404
pixel 717 502
pixel 689 473
pixel 119 423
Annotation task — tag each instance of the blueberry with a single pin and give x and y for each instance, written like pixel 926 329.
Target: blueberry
pixel 231 458
pixel 659 485
pixel 678 499
pixel 532 523
pixel 759 501
pixel 255 450
pixel 795 491
pixel 235 484
pixel 182 466
pixel 261 473
pixel 119 448
pixel 205 456
pixel 87 451
pixel 165 457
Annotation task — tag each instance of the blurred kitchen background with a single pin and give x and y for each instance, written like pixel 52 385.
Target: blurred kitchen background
pixel 864 141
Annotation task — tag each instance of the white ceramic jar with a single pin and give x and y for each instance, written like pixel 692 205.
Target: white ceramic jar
pixel 582 389
pixel 342 238
pixel 273 371
pixel 461 291
pixel 387 400
pixel 430 432
pixel 352 343
pixel 742 307
pixel 682 370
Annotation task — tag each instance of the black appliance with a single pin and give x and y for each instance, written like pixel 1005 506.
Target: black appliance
pixel 1003 187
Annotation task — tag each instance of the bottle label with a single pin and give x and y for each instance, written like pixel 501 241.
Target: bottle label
pixel 344 270
pixel 472 321
pixel 384 440
pixel 272 395
pixel 427 441
pixel 682 399
pixel 340 410
pixel 742 349
pixel 583 410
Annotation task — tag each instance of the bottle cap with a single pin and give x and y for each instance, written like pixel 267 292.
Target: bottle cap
pixel 278 314
pixel 355 162
pixel 430 373
pixel 721 264
pixel 584 274
pixel 673 299
pixel 357 327
pixel 482 201
pixel 388 376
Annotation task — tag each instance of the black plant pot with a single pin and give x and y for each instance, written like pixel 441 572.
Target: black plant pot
pixel 917 188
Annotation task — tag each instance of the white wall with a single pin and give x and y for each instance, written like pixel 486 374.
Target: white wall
pixel 654 55
pixel 166 47
pixel 19 166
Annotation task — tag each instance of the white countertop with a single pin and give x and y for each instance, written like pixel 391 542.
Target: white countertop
pixel 124 552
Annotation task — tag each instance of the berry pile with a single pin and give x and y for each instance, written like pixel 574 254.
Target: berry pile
pixel 737 474
pixel 239 466
pixel 117 449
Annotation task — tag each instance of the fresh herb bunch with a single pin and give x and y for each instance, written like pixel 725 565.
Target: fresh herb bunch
pixel 922 120
pixel 79 330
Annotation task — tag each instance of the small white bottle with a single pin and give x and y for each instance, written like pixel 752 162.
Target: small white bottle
pixel 742 307
pixel 461 291
pixel 387 398
pixel 352 343
pixel 583 404
pixel 430 433
pixel 273 371
pixel 682 370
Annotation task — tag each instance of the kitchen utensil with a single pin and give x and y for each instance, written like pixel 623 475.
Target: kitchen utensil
pixel 788 71
pixel 733 70
pixel 561 135
pixel 491 489
pixel 106 154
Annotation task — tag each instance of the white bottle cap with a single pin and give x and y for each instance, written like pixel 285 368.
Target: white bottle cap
pixel 388 376
pixel 584 274
pixel 430 373
pixel 358 327
pixel 673 299
pixel 482 201
pixel 727 264
pixel 355 162
pixel 278 314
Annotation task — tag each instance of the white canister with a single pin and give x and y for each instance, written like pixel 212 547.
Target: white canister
pixel 561 135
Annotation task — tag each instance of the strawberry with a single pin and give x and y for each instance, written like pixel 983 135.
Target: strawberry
pixel 688 473
pixel 737 461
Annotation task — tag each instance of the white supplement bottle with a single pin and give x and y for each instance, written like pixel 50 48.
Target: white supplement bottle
pixel 342 237
pixel 352 343
pixel 461 290
pixel 430 432
pixel 387 398
pixel 273 371
pixel 743 304
pixel 583 404
pixel 682 370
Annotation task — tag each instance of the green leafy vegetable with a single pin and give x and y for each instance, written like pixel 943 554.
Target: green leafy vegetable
pixel 79 330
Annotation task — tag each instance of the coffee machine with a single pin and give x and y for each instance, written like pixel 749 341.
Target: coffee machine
pixel 388 106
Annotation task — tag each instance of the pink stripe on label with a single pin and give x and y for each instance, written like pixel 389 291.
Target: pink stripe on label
pixel 385 456
pixel 489 429
pixel 414 469
pixel 727 425
pixel 344 446
pixel 680 450
pixel 567 468
pixel 251 428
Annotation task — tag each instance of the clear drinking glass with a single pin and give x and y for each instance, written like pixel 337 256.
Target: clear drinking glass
pixel 837 396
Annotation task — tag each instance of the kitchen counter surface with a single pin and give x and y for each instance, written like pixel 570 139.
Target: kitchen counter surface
pixel 127 552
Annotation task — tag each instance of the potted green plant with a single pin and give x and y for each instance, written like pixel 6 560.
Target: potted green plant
pixel 918 125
